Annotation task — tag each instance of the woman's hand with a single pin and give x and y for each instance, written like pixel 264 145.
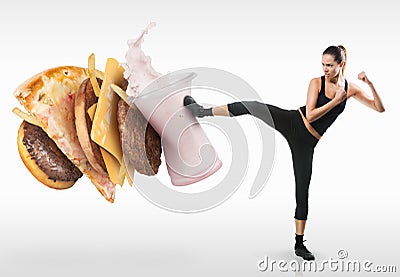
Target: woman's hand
pixel 375 102
pixel 363 77
pixel 340 96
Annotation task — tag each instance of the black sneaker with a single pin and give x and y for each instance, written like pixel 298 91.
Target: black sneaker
pixel 302 251
pixel 196 109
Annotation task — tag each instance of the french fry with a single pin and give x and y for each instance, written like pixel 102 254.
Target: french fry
pixel 121 93
pixel 130 181
pixel 27 117
pixel 92 74
pixel 121 175
pixel 99 74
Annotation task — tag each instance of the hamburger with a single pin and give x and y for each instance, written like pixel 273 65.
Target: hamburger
pixel 44 159
pixel 66 133
pixel 75 123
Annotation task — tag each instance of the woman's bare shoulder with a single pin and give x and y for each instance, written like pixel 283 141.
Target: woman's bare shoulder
pixel 315 83
pixel 316 80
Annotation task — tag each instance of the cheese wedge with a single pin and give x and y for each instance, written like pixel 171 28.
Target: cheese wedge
pixel 91 111
pixel 105 126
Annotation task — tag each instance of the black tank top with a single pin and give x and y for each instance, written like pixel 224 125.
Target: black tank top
pixel 323 123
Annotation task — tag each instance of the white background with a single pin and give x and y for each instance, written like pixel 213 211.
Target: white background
pixel 276 47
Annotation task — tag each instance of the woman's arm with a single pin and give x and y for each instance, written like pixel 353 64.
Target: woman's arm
pixel 374 103
pixel 313 113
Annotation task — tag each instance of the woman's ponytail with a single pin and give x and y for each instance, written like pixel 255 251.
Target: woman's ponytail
pixel 344 53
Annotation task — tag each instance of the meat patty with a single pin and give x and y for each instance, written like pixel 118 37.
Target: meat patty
pixel 47 156
pixel 84 99
pixel 141 143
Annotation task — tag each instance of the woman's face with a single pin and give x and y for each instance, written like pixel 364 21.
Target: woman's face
pixel 329 66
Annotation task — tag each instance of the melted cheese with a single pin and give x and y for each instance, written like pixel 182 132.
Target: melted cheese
pixel 105 125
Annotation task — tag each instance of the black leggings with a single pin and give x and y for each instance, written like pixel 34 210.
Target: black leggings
pixel 301 142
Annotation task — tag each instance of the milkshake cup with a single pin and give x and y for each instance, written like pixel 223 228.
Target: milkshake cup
pixel 189 155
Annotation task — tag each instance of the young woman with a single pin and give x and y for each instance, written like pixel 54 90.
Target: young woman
pixel 302 128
